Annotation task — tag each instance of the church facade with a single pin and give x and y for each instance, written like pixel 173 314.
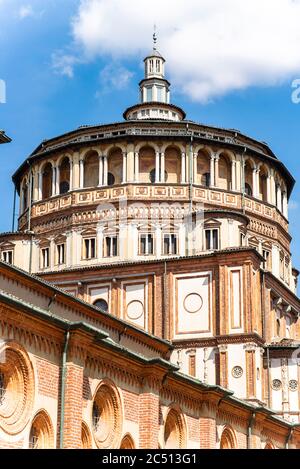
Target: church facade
pixel 148 297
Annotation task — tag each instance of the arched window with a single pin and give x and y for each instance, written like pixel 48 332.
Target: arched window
pixel 101 304
pixel 110 179
pixel 86 440
pixel 228 440
pixel 147 165
pixel 206 179
pixel 263 178
pixel 248 189
pixel 278 327
pixel 175 430
pixel 47 181
pixel 269 445
pixel 91 169
pixel 107 416
pixel 64 176
pixel 203 168
pixel 248 178
pixel 25 196
pixel 172 165
pixel 41 433
pixel 127 442
pixel 115 167
pixel 224 180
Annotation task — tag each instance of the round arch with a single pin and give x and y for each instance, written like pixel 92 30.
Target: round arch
pixel 175 433
pixel 91 168
pixel 228 439
pixel 107 415
pixel 86 438
pixel 140 145
pixel 172 164
pixel 41 434
pixel 115 165
pixel 224 178
pixel 16 387
pixel 127 442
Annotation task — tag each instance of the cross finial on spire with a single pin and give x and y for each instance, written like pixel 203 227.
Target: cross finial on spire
pixel 154 38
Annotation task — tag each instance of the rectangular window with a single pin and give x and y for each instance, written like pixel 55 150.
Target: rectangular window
pixel 158 66
pixel 45 252
pixel 89 251
pixel 211 239
pixel 146 244
pixel 192 365
pixel 159 90
pixel 170 244
pixel 61 249
pixel 7 256
pixel 111 246
pixel 267 257
pixel 149 94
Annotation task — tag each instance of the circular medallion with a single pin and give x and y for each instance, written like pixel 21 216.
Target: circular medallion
pixel 237 371
pixel 293 385
pixel 135 310
pixel 193 303
pixel 276 384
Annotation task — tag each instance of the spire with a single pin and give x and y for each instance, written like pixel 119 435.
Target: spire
pixel 154 38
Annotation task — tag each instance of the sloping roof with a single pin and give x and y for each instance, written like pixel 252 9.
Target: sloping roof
pixel 4 138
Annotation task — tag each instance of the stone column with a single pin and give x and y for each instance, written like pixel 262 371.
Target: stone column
pixel 285 205
pixel 162 167
pixel 53 180
pixel 257 183
pixel 105 170
pixel 57 181
pixel 233 175
pixel 100 171
pixel 279 197
pixel 81 174
pixel 136 167
pixel 195 156
pixel 40 187
pixel 269 199
pixel 254 191
pixel 212 171
pixel 216 171
pixel 183 179
pixel 157 168
pixel 71 176
pixel 124 167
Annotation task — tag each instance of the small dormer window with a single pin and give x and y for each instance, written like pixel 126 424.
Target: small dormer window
pixel 7 256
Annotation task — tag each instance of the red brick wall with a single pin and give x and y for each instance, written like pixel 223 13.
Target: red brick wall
pixel 131 410
pixel 149 419
pixel 73 406
pixel 193 429
pixel 207 433
pixel 48 377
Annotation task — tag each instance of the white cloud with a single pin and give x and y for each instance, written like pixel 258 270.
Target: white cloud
pixel 115 76
pixel 293 205
pixel 212 47
pixel 63 64
pixel 25 11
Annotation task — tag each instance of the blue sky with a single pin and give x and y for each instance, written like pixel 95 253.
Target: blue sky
pixel 60 75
